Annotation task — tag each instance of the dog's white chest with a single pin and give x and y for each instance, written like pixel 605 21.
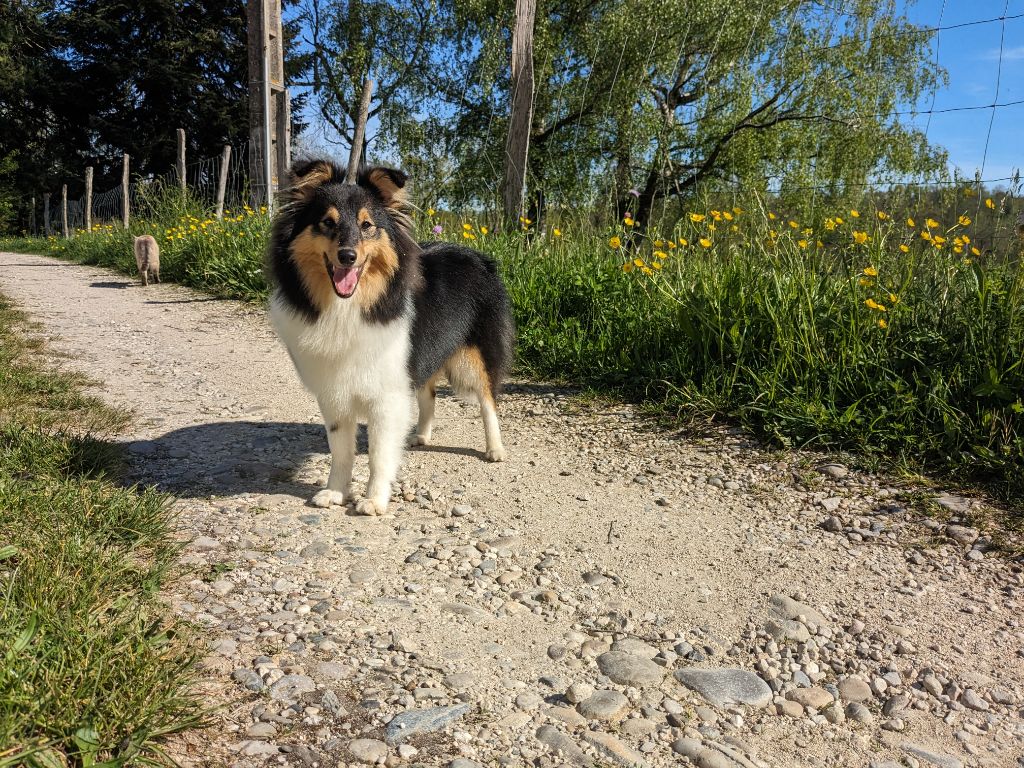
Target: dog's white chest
pixel 344 360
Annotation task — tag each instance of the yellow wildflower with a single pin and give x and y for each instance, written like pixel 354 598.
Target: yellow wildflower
pixel 830 224
pixel 639 262
pixel 430 211
pixel 926 235
pixel 705 242
pixel 938 239
pixel 839 219
pixel 628 221
pixel 872 304
pixel 467 227
pixel 865 283
pixel 660 255
pixel 469 235
pixel 627 267
pixel 727 216
pixel 802 244
pixel 556 232
pixel 894 298
pixel 905 248
pixel 771 216
pixel 855 214
pixel 870 271
pixel 965 220
pixel 793 225
pixel 911 224
pixel 931 223
pixel 737 210
pixel 975 251
pixel 483 230
pixel 683 242
pixel 696 218
pixel 615 242
pixel 860 237
pixel 671 244
pixel 989 204
pixel 882 215
pixel 882 323
pixel 656 264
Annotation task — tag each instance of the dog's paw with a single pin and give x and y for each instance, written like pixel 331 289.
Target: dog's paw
pixel 370 508
pixel 327 498
pixel 495 454
pixel 419 440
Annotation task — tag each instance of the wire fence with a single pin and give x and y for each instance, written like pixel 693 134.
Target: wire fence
pixel 243 186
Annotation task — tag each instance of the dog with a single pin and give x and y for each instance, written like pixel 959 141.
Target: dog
pixel 147 258
pixel 373 320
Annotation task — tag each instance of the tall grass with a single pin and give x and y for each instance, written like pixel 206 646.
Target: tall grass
pixel 91 670
pixel 899 337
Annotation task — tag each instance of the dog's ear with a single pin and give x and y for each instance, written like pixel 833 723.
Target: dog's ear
pixel 388 184
pixel 305 176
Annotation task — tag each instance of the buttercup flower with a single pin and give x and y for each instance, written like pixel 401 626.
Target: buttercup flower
pixel 615 242
pixel 870 271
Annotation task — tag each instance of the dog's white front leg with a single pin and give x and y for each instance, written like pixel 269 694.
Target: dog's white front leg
pixel 341 437
pixel 388 422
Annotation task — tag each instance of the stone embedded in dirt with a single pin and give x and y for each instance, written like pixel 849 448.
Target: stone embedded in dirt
pixel 831 504
pixel 413 722
pixel 726 687
pixel 566 715
pixel 836 471
pixel 832 524
pixel 815 698
pixel 932 758
pixel 972 700
pixel 614 749
pixel 529 700
pixel 783 630
pixel 361 575
pixel 961 534
pixel 790 708
pixel 854 689
pixel 785 607
pixel 463 762
pixel 204 544
pixel 705 755
pixel 248 679
pixel 473 614
pixel 626 669
pixel 461 510
pixel 562 745
pixel 315 548
pixel 956 504
pixel 609 706
pixel 577 692
pixel 368 751
pixel 261 731
pixel 634 647
pixel 290 687
pixel 858 712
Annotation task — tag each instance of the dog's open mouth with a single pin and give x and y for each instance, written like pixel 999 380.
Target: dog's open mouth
pixel 344 279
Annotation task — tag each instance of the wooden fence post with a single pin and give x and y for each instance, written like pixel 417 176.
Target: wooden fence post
pixel 46 213
pixel 517 143
pixel 88 199
pixel 181 158
pixel 357 136
pixel 125 200
pixel 32 217
pixel 64 210
pixel 222 181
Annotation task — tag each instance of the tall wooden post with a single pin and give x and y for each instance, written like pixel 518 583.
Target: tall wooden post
pixel 222 181
pixel 88 199
pixel 517 145
pixel 181 159
pixel 46 214
pixel 32 217
pixel 64 210
pixel 269 120
pixel 125 198
pixel 356 152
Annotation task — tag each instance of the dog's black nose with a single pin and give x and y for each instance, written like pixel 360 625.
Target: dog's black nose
pixel 346 257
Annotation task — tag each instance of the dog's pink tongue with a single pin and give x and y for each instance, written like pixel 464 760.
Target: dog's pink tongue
pixel 345 280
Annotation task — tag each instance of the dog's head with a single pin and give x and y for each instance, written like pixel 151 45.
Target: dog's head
pixel 346 239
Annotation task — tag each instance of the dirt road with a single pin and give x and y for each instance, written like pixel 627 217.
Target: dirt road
pixel 552 609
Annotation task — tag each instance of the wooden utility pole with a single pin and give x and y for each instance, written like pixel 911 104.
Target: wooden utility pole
pixel 46 213
pixel 355 154
pixel 222 180
pixel 269 117
pixel 64 211
pixel 88 199
pixel 125 198
pixel 181 159
pixel 517 145
pixel 32 217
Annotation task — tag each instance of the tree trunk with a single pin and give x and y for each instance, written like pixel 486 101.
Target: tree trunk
pixel 517 145
pixel 355 154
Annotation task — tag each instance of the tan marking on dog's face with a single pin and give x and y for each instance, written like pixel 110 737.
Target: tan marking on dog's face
pixel 379 260
pixel 308 249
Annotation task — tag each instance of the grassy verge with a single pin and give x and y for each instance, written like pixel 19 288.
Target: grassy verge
pixel 897 337
pixel 91 672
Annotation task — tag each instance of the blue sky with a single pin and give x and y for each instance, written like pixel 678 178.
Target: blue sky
pixel 971 56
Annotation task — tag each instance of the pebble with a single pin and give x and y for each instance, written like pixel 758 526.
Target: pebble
pixel 368 751
pixel 627 669
pixel 786 607
pixel 414 722
pixel 611 747
pixel 854 689
pixel 972 700
pixel 609 706
pixel 815 698
pixel 577 692
pixel 725 687
pixel 562 745
pixel 290 687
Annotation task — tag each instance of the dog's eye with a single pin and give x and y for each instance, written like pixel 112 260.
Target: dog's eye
pixel 368 225
pixel 327 224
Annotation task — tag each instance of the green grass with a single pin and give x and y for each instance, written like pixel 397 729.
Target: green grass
pixel 91 670
pixel 764 326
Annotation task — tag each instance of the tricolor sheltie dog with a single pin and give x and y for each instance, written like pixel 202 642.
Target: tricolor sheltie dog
pixel 372 319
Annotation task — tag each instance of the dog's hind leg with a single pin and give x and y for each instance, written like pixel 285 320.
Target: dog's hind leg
pixel 341 437
pixel 425 397
pixel 387 425
pixel 492 432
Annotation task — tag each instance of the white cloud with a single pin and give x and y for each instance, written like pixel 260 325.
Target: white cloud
pixel 1007 54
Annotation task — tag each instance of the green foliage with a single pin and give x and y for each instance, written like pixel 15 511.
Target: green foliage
pixel 91 671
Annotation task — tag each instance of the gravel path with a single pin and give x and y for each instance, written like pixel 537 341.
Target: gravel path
pixel 609 595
